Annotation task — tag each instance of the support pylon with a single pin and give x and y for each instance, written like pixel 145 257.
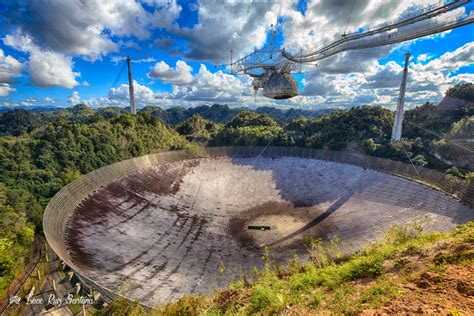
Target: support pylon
pixel 133 110
pixel 398 122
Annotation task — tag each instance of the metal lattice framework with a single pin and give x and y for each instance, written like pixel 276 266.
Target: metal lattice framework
pixel 428 21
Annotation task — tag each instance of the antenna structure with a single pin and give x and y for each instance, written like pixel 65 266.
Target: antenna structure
pixel 271 67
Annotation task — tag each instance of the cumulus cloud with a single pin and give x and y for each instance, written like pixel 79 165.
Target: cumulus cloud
pixel 5 89
pixel 165 13
pixel 387 76
pixel 74 98
pixel 203 88
pixel 79 28
pixel 450 61
pixel 180 75
pixel 47 68
pixel 231 25
pixel 10 68
pixel 143 94
pixel 50 69
pixel 213 87
pixel 86 27
pixel 423 57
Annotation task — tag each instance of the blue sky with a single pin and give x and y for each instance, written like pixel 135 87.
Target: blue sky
pixel 60 52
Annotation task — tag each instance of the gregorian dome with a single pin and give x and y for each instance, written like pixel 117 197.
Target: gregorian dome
pixel 280 86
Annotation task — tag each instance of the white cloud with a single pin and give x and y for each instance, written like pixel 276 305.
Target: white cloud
pixel 31 102
pixel 143 94
pixel 386 76
pixel 79 27
pixel 450 61
pixel 144 60
pixel 74 98
pixel 423 57
pixel 26 103
pixel 10 68
pixel 86 27
pixel 119 59
pixel 5 89
pixel 180 75
pixel 39 100
pixel 203 88
pixel 47 68
pixel 213 87
pixel 165 13
pixel 230 25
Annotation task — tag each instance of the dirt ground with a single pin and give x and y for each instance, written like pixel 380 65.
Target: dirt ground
pixel 429 289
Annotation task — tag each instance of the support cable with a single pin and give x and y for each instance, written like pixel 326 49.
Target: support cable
pixel 305 24
pixel 439 136
pixel 349 18
pixel 119 75
pixel 292 111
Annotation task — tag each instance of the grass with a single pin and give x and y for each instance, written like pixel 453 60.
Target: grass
pixel 328 283
pixel 381 292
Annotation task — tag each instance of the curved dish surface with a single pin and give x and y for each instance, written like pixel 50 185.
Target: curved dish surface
pixel 165 231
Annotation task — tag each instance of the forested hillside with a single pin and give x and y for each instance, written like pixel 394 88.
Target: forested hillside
pixel 462 91
pixel 33 169
pixel 222 114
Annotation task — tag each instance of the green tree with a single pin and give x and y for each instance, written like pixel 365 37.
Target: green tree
pixel 249 118
pixel 464 91
pixel 197 128
pixel 18 122
pixel 420 160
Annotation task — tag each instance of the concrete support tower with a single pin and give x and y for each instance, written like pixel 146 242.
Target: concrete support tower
pixel 398 122
pixel 133 110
